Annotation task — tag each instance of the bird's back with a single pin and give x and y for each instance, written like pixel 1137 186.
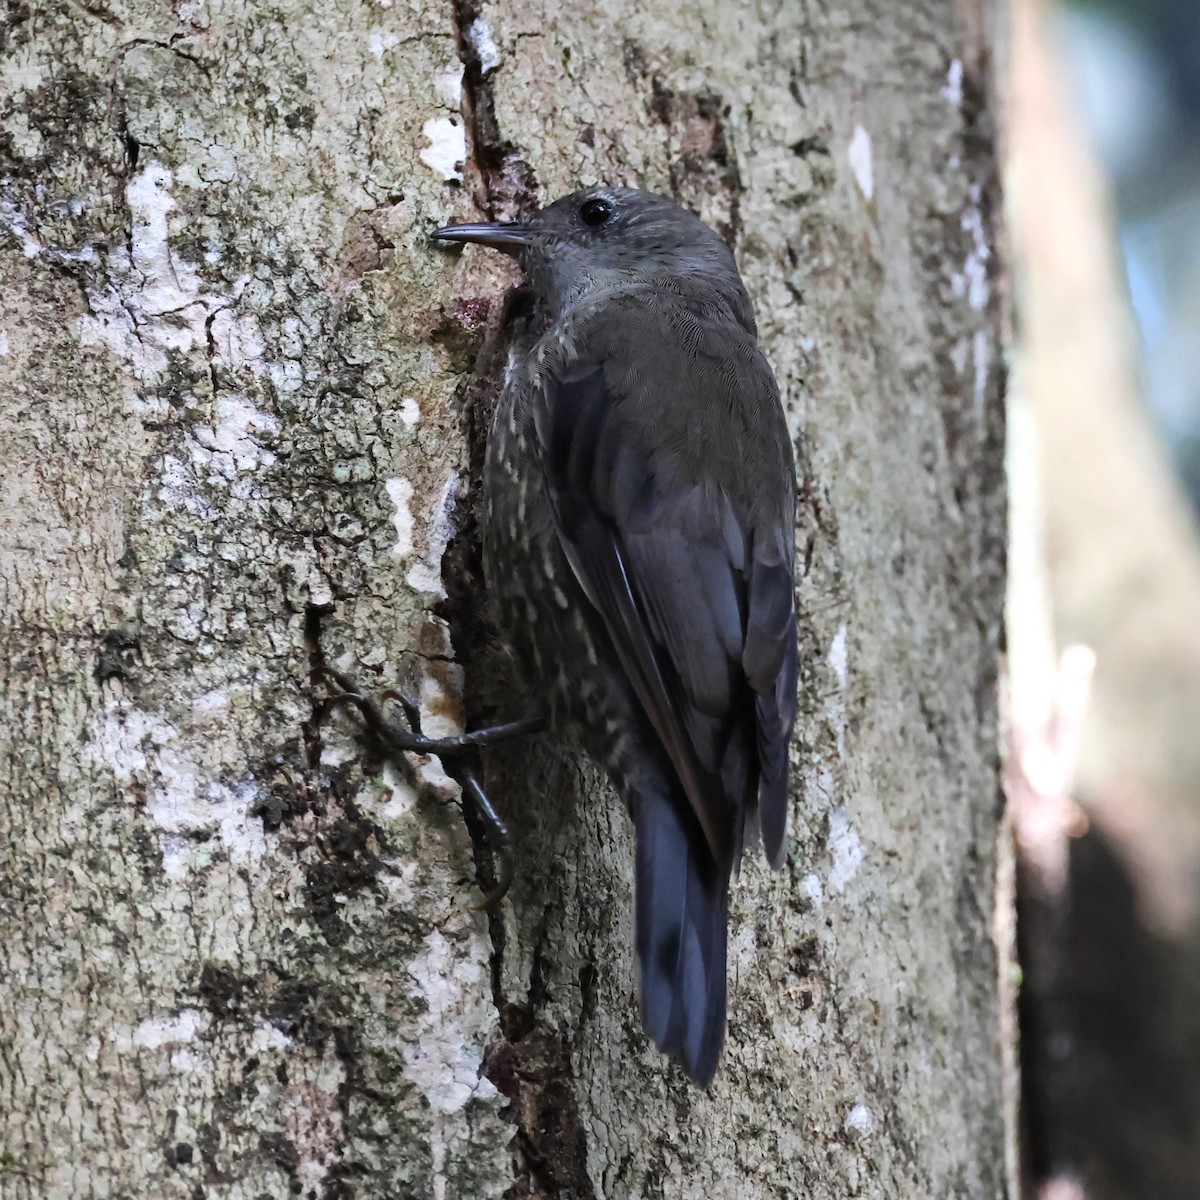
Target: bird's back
pixel 639 488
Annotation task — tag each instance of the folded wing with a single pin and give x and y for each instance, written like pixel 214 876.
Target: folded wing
pixel 693 582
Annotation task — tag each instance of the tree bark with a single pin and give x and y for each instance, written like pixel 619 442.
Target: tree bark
pixel 243 401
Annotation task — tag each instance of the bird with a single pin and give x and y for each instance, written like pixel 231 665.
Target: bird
pixel 638 515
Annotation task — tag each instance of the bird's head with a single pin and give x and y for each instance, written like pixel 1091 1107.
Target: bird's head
pixel 603 238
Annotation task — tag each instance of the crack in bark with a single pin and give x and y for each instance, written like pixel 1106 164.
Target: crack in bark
pixel 531 1064
pixel 210 346
pixel 507 183
pixel 311 729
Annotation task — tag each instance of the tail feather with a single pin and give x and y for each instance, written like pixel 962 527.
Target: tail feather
pixel 682 916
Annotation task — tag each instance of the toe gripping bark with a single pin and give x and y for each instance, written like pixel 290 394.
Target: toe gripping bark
pixel 455 752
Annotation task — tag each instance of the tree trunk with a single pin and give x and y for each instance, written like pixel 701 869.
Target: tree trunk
pixel 1110 887
pixel 243 403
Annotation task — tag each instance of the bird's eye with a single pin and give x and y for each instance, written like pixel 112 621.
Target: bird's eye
pixel 595 211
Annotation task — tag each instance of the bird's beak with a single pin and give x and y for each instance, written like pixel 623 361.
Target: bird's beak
pixel 509 237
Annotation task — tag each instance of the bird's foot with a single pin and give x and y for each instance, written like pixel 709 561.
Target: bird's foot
pixel 397 740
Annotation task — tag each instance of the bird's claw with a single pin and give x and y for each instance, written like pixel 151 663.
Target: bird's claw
pixel 412 741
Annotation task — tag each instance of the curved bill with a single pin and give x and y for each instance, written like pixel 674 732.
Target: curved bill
pixel 508 236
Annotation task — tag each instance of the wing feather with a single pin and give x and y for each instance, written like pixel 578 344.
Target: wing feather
pixel 693 586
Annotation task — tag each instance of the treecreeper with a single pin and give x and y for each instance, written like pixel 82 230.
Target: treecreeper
pixel 639 500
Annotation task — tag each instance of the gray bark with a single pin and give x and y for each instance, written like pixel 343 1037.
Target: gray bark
pixel 242 403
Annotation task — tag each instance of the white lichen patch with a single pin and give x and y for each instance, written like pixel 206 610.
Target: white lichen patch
pixel 813 888
pixel 177 489
pixel 447 149
pixel 479 35
pixel 337 753
pixel 859 155
pixel 838 658
pixel 432 774
pixel 410 412
pixel 111 324
pixel 379 42
pixel 155 302
pixel 953 91
pixel 972 282
pixel 25 140
pixel 168 284
pixel 439 716
pixel 182 799
pixel 3 344
pixel 155 1032
pixel 210 704
pixel 266 1037
pixel 236 337
pixel 844 848
pixel 444 1059
pixel 448 85
pixel 187 801
pixel 425 575
pixel 835 704
pixel 185 1059
pixel 399 801
pixel 400 884
pixel 973 285
pixel 234 444
pixel 400 492
pixel 982 354
pixel 859 1121
pixel 121 738
pixel 817 780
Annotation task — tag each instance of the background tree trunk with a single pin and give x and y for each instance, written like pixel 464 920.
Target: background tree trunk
pixel 1109 886
pixel 242 403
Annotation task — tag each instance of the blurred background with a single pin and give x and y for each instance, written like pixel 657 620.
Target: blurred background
pixel 1103 187
pixel 1135 69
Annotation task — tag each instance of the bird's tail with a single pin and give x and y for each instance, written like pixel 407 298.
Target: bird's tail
pixel 682 918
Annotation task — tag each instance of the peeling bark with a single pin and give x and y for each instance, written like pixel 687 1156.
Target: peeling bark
pixel 243 406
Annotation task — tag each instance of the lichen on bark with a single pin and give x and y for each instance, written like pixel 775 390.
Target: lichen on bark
pixel 243 406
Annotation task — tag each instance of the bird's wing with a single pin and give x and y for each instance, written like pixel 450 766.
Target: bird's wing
pixel 694 583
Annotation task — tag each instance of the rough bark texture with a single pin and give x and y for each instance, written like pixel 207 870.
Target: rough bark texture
pixel 242 400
